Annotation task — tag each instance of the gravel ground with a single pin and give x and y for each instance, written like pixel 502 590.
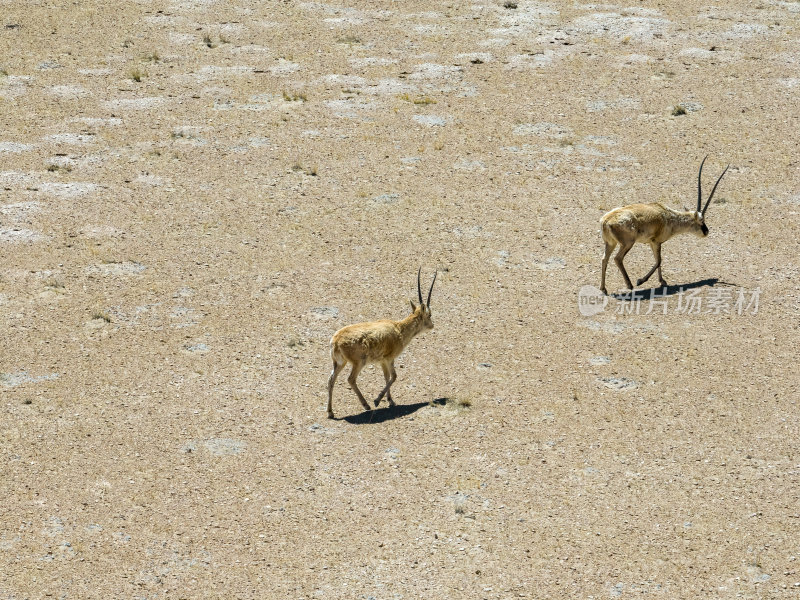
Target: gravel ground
pixel 194 195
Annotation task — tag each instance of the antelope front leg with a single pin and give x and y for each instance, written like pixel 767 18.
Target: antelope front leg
pixel 657 255
pixel 389 375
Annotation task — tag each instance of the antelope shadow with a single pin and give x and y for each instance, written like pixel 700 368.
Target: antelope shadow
pixel 389 413
pixel 669 290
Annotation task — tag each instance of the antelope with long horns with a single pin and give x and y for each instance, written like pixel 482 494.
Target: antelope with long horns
pixel 652 224
pixel 377 342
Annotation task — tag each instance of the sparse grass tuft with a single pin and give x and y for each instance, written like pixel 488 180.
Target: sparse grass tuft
pixel 3 73
pixel 678 110
pixel 98 314
pixel 292 97
pixel 181 133
pixel 419 100
pixel 349 39
pixel 296 343
pixel 299 168
pixel 137 74
pixel 54 284
pixel 208 41
pixel 53 168
pixel 152 57
pixel 510 4
pixel 458 403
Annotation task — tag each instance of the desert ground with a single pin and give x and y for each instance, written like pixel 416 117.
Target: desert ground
pixel 195 195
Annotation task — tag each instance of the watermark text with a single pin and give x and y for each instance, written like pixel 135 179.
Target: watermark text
pixel 693 301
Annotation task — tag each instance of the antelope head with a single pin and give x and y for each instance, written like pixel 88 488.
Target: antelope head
pixel 423 311
pixel 700 228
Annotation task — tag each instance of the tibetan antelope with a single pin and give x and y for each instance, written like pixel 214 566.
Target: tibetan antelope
pixel 652 224
pixel 377 342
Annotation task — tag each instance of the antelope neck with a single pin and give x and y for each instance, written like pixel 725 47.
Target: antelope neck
pixel 410 326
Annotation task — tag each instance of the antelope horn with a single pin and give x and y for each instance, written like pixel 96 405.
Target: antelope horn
pixel 700 186
pixel 428 304
pixel 419 289
pixel 713 190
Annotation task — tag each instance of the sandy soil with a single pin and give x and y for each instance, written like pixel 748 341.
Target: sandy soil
pixel 194 195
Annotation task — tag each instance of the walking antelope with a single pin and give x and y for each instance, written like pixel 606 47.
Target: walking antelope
pixel 377 342
pixel 653 224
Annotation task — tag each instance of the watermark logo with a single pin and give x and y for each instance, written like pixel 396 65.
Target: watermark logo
pixel 591 301
pixel 693 301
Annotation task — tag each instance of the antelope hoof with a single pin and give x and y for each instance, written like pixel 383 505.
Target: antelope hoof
pixel 330 414
pixel 640 281
pixel 605 291
pixel 663 283
pixel 377 401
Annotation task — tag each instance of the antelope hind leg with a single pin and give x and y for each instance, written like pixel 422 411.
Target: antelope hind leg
pixel 337 368
pixel 606 255
pixel 352 381
pixel 618 260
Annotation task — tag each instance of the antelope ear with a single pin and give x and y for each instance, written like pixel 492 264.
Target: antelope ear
pixel 413 307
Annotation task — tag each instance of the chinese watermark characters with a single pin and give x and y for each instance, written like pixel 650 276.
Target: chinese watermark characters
pixel 694 301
